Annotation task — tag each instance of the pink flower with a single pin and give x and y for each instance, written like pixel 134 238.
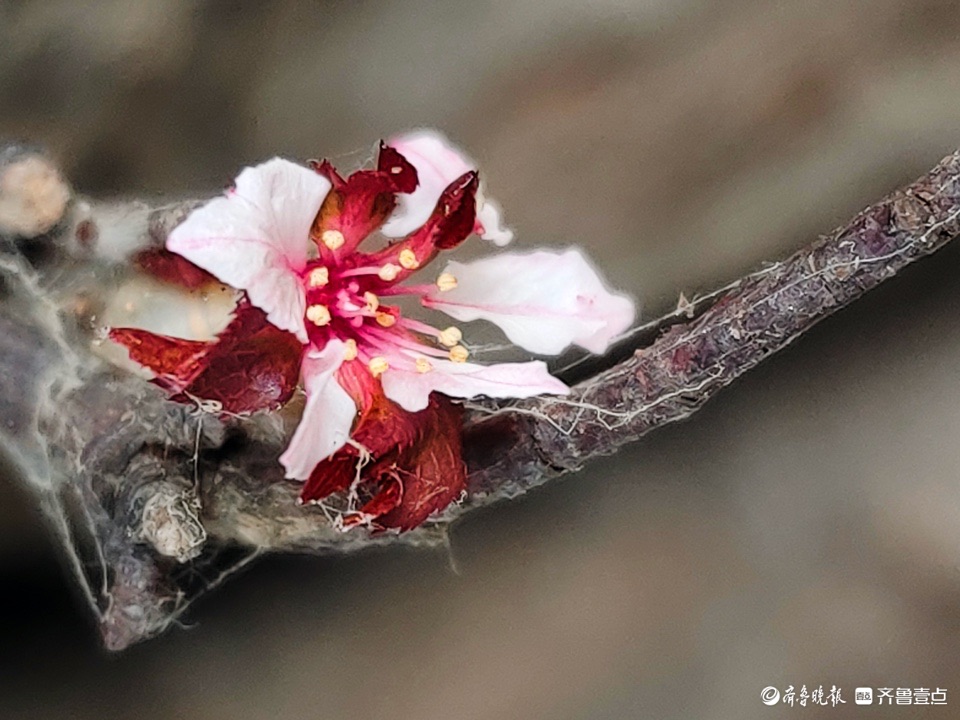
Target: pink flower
pixel 289 236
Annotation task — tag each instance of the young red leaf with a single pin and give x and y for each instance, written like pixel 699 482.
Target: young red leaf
pixel 432 472
pixel 415 465
pixel 172 268
pixel 254 366
pixel 174 361
pixel 357 206
pixel 407 484
pixel 449 225
pixel 387 498
pixel 251 366
pixel 334 474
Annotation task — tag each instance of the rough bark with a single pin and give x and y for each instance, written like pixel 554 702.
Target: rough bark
pixel 142 489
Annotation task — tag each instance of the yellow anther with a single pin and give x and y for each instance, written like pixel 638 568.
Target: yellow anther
pixel 318 277
pixel 378 366
pixel 386 319
pixel 389 272
pixel 423 365
pixel 350 349
pixel 372 301
pixel 408 259
pixel 446 282
pixel 459 354
pixel 319 315
pixel 333 239
pixel 450 337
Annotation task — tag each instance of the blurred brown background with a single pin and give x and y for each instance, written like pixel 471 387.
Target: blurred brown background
pixel 803 529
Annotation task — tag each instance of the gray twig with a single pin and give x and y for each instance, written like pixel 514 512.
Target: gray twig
pixel 137 485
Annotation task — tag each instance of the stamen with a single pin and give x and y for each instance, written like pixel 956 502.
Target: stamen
pixel 389 272
pixel 446 282
pixel 333 239
pixel 378 366
pixel 423 365
pixel 390 341
pixel 373 302
pixel 350 350
pixel 450 337
pixel 386 319
pixel 408 259
pixel 319 315
pixel 459 354
pixel 318 277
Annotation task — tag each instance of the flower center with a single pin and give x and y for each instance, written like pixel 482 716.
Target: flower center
pixel 343 303
pixel 346 303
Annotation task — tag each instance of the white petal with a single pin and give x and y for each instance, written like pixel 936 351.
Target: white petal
pixel 438 164
pixel 411 390
pixel 543 301
pixel 490 227
pixel 256 237
pixel 327 416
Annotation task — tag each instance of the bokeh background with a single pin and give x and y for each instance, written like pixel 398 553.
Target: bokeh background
pixel 803 529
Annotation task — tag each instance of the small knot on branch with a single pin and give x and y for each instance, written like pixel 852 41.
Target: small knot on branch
pixel 170 521
pixel 33 193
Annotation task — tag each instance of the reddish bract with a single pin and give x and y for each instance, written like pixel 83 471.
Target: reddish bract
pixel 251 365
pixel 415 464
pixel 449 225
pixel 360 204
pixel 172 268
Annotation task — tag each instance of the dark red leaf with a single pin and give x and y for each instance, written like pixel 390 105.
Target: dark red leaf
pixel 391 162
pixel 416 465
pixel 334 474
pixel 326 168
pixel 388 497
pixel 453 219
pixel 432 471
pixel 449 225
pixel 382 425
pixel 251 366
pixel 357 206
pixel 174 361
pixel 172 268
pixel 382 428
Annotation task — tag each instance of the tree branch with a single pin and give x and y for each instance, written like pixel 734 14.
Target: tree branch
pixel 143 490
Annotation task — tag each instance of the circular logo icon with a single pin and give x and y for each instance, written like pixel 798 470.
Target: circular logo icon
pixel 770 695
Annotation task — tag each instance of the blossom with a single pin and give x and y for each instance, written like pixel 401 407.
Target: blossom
pixel 378 383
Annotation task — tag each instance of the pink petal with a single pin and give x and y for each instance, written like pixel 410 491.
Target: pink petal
pixel 327 416
pixel 438 164
pixel 543 301
pixel 411 390
pixel 489 226
pixel 256 237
